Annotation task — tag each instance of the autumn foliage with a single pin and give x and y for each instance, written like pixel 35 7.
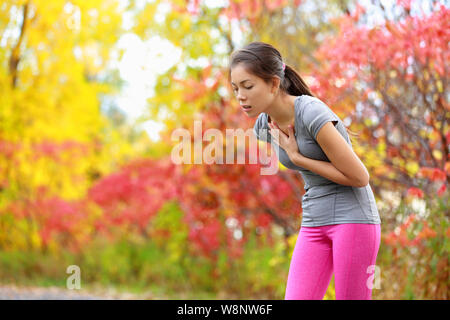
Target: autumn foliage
pixel 73 181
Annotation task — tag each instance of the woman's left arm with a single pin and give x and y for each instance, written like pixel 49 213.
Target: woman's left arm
pixel 344 167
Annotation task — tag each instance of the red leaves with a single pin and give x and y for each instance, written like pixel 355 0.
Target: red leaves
pixel 196 89
pixel 390 46
pixel 49 149
pixel 264 220
pixel 434 174
pixel 410 233
pixel 394 68
pixel 54 218
pixel 252 9
pixel 127 199
pixel 7 148
pixel 214 194
pixel 441 190
pixel 55 151
pixel 405 4
pixel 134 194
pixel 207 194
pixel 415 192
pixel 207 236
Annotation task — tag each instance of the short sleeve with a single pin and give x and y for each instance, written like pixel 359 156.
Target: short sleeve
pixel 315 115
pixel 260 130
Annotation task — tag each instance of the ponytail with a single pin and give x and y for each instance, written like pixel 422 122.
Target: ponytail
pixel 294 85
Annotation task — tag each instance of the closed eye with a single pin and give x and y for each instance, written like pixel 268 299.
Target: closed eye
pixel 234 89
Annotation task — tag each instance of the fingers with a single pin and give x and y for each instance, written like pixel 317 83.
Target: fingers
pixel 272 130
pixel 272 127
pixel 275 126
pixel 291 130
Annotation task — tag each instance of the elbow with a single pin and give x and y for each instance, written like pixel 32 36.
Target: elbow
pixel 361 181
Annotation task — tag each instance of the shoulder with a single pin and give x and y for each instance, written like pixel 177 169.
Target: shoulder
pixel 314 113
pixel 312 106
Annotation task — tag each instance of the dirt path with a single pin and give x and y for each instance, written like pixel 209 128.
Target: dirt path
pixel 12 292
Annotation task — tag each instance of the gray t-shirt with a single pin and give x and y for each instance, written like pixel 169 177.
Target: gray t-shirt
pixel 325 202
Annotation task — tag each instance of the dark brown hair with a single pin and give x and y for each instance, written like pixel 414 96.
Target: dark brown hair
pixel 264 61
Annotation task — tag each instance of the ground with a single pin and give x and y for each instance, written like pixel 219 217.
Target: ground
pixel 13 292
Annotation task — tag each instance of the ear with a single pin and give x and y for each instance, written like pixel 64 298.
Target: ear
pixel 275 84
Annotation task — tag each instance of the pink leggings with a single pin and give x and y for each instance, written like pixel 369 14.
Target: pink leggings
pixel 349 250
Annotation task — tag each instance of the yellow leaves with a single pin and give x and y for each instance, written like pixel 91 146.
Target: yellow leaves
pixel 57 96
pixel 398 162
pixel 276 260
pixel 279 258
pixel 437 154
pixel 292 240
pixel 438 125
pixel 367 122
pixel 379 171
pixel 40 176
pixel 186 23
pixel 391 175
pixel 48 12
pixel 203 45
pixel 145 18
pixel 392 90
pixel 18 234
pixel 439 86
pixel 35 239
pixel 357 148
pixel 423 133
pixel 372 158
pixel 381 149
pixel 176 28
pixel 412 168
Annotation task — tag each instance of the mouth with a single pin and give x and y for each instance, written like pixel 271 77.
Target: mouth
pixel 246 107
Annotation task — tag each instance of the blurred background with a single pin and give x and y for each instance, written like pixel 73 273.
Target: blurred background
pixel 91 91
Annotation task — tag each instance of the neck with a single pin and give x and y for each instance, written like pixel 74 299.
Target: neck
pixel 282 110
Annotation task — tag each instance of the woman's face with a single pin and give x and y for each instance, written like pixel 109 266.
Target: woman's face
pixel 250 91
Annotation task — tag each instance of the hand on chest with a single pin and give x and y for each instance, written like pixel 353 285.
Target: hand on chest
pixel 307 146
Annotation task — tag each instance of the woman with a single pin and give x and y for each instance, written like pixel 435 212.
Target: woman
pixel 340 230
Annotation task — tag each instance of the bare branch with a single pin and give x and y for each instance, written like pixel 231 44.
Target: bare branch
pixel 15 53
